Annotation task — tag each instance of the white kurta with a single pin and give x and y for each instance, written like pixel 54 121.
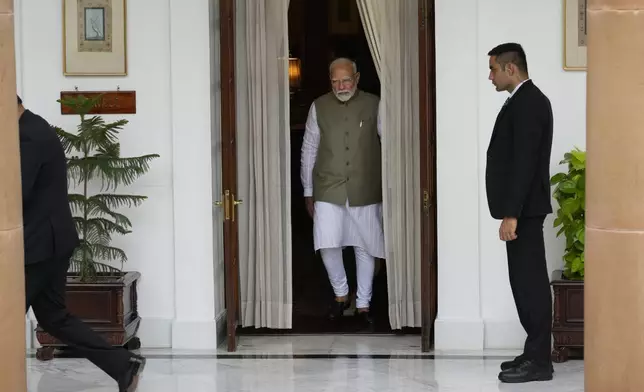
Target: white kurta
pixel 337 226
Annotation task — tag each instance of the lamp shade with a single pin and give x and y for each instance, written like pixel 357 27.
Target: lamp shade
pixel 294 72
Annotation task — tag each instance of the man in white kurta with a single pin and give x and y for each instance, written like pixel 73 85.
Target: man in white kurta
pixel 341 177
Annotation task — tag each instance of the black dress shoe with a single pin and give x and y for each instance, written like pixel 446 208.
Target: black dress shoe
pixel 366 321
pixel 513 363
pixel 129 381
pixel 337 309
pixel 527 371
pixel 516 362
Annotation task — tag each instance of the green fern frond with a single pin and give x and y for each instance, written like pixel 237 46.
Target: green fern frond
pixel 105 226
pixel 77 202
pixel 123 171
pixel 79 223
pixel 105 252
pixel 69 141
pixel 80 104
pixel 89 132
pixel 103 268
pixel 112 171
pixel 94 234
pixel 113 201
pixel 99 135
pixel 111 151
pixel 97 208
pixel 93 252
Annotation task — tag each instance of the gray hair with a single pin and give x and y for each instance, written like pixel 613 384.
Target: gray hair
pixel 343 60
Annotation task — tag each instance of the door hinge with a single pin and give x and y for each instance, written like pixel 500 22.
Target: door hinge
pixel 423 14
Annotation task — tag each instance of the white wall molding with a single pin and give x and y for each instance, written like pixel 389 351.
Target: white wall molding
pixel 194 335
pixel 459 334
pixel 504 334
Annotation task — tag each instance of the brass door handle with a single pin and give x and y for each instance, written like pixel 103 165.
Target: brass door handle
pixel 235 203
pixel 229 208
pixel 219 203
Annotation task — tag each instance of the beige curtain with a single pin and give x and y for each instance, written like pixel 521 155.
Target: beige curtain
pixel 392 31
pixel 370 14
pixel 263 163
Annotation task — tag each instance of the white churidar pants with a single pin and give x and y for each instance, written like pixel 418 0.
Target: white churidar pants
pixel 336 227
pixel 365 265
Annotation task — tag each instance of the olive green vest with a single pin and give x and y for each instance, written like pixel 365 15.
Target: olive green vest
pixel 348 164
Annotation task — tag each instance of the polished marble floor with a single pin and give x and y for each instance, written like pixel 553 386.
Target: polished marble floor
pixel 307 363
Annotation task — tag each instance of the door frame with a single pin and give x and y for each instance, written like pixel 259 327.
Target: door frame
pixel 427 117
pixel 427 145
pixel 229 167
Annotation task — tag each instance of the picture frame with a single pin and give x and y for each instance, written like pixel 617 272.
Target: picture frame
pixel 94 37
pixel 575 35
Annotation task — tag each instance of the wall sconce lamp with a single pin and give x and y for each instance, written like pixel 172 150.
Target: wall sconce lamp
pixel 294 72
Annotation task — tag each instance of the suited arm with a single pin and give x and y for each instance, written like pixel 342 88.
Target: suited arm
pixel 32 156
pixel 527 134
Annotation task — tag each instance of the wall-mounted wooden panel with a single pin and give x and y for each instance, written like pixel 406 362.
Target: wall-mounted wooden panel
pixel 112 102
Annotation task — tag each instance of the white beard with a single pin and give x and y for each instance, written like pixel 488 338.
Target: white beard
pixel 344 96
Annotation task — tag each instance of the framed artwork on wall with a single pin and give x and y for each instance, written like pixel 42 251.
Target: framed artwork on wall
pixel 94 38
pixel 575 35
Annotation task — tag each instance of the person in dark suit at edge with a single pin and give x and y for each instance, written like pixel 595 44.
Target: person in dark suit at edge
pixel 50 238
pixel 518 190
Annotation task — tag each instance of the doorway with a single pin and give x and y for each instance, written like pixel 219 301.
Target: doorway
pixel 311 289
pixel 318 33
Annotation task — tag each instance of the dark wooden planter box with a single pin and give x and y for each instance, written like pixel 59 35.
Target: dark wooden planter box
pixel 108 305
pixel 568 320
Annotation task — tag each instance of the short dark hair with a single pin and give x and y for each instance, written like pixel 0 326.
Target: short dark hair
pixel 510 53
pixel 19 100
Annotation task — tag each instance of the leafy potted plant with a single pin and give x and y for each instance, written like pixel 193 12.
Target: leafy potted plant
pixel 98 292
pixel 568 285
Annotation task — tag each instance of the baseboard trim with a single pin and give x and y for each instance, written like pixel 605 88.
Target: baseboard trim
pixel 194 334
pixel 30 335
pixel 155 332
pixel 504 334
pixel 459 334
pixel 32 324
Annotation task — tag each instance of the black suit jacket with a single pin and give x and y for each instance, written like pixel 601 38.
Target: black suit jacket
pixel 49 230
pixel 518 158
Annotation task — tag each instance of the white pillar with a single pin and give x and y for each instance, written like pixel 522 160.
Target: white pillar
pixel 459 324
pixel 194 324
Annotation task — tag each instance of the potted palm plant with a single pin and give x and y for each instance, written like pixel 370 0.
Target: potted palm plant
pixel 98 290
pixel 568 284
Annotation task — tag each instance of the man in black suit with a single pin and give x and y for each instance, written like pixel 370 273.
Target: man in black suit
pixel 50 238
pixel 518 191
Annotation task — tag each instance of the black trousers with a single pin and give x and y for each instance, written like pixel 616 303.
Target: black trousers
pixel 531 287
pixel 45 291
